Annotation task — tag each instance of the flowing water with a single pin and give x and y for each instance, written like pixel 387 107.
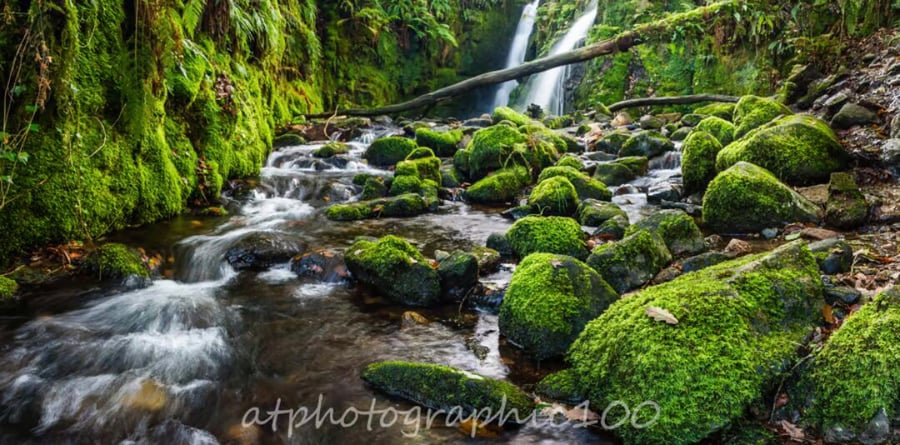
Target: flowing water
pixel 547 89
pixel 517 51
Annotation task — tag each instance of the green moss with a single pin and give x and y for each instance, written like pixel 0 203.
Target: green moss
pixel 646 143
pixel 448 389
pixel 493 148
pixel 753 112
pixel 288 140
pixel 855 375
pixel 846 207
pixel 676 228
pixel 613 173
pixel 8 289
pixel 361 178
pixel 748 198
pixel 402 185
pixel 798 149
pixel 390 150
pixel 719 128
pixel 348 212
pixel 639 165
pixel 374 189
pixel 508 114
pixel 738 326
pixel 631 262
pixel 570 161
pixel 396 269
pixel 585 186
pixel 451 177
pixel 461 162
pixel 554 196
pixel 550 234
pixel 549 301
pixel 561 386
pixel 721 110
pixel 612 142
pixel 593 213
pixel 561 143
pixel 698 161
pixel 420 153
pixel 502 186
pixel 331 150
pixel 444 144
pixel 424 168
pixel 115 261
pixel 406 205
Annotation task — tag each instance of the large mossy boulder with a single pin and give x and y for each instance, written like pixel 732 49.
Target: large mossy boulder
pixel 649 144
pixel 719 128
pixel 631 262
pixel 396 269
pixel 747 198
pixel 508 114
pixel 549 301
pixel 491 149
pixel 594 213
pixel 676 228
pixel 798 149
pixel 388 151
pixel 500 187
pixel 118 261
pixel 856 376
pixel 444 144
pixel 703 347
pixel 449 389
pixel 753 112
pixel 554 196
pixel 586 187
pixel 698 161
pixel 547 234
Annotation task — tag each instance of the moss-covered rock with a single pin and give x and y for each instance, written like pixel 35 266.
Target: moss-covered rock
pixel 288 140
pixel 798 149
pixel 649 144
pixel 549 301
pixel 331 149
pixel 423 168
pixel 747 198
pixel 500 243
pixel 550 234
pixel 554 196
pixel 570 161
pixel 420 153
pixel 451 177
pixel 719 128
pixel 388 151
pixel 406 205
pixel 676 228
pixel 612 143
pixel 488 259
pixel 752 112
pixel 348 212
pixel 833 255
pixel 631 262
pixel 396 270
pixel 639 165
pixel 738 324
pixel 681 134
pixel 594 213
pixel 116 261
pixel 508 114
pixel 8 289
pixel 404 184
pixel 692 119
pixel 459 274
pixel 856 374
pixel 374 188
pixel 461 162
pixel 846 207
pixel 449 389
pixel 613 228
pixel 585 186
pixel 502 186
pixel 561 386
pixel 613 173
pixel 698 161
pixel 720 110
pixel 493 148
pixel 444 144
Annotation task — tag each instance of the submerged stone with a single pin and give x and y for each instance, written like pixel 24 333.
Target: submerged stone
pixel 459 274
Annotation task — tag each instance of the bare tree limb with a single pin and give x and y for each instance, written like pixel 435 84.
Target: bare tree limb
pixel 674 100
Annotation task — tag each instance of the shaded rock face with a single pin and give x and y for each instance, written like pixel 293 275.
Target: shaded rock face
pixel 846 207
pixel 260 251
pixel 459 275
pixel 395 269
pixel 646 143
pixel 631 262
pixel 851 115
pixel 677 229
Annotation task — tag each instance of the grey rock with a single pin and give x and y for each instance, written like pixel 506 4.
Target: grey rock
pixel 664 191
pixel 878 431
pixel 852 115
pixel 649 122
pixel 770 233
pixel 704 260
pixel 842 294
pixel 833 255
pixel 890 156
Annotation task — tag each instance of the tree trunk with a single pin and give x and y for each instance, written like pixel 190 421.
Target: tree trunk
pixel 674 100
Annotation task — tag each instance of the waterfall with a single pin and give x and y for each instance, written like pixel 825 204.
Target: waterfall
pixel 517 51
pixel 547 89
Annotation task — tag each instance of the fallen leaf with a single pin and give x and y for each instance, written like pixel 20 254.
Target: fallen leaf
pixel 555 263
pixel 660 314
pixel 793 431
pixel 828 313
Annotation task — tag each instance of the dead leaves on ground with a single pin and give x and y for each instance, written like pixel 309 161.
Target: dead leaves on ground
pixel 660 314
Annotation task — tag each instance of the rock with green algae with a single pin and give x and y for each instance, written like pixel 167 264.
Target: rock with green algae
pixel 585 186
pixel 613 228
pixel 374 188
pixel 631 262
pixel 720 110
pixel 401 206
pixel 648 144
pixel 676 228
pixel 846 207
pixel 500 187
pixel 549 300
pixel 288 140
pixel 491 149
pixel 389 151
pixel 116 261
pixel 445 144
pixel 451 177
pixel 331 149
pixel 554 196
pixel 488 259
pixel 508 114
pixel 612 143
pixel 396 269
pixel 856 375
pixel 561 386
pixel 719 128
pixel 459 274
pixel 698 161
pixel 613 173
pixel 570 161
pixel 562 142
pixel 753 111
pixel 799 149
pixel 639 165
pixel 449 389
pixel 747 198
pixel 547 234
pixel 594 213
pixel 8 289
pixel 738 325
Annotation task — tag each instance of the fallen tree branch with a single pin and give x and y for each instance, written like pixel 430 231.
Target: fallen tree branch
pixel 674 100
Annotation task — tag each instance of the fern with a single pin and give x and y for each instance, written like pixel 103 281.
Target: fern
pixel 192 15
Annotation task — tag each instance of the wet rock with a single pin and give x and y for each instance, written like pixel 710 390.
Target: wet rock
pixel 518 212
pixel 331 149
pixel 622 119
pixel 631 262
pixel 663 191
pixel 479 350
pixel 396 270
pixel 705 260
pixel 262 250
pixel 878 431
pixel 478 122
pixel 499 243
pixel 547 234
pixel 852 115
pixel 549 300
pixel 668 274
pixel 487 298
pixel 594 213
pixel 738 247
pixel 714 241
pixel 411 319
pixel 833 255
pixel 639 165
pixel 691 120
pixel 288 140
pixel 149 396
pixel 681 134
pixel 389 151
pixel 649 122
pixel 677 230
pixel 613 228
pixel 445 388
pixel 834 102
pixel 488 259
pixel 441 255
pixel 459 275
pixel 322 265
pixel 747 198
pixel 649 144
pixel 842 295
pixel 612 143
pixel 690 209
pixel 890 156
pixel 613 173
pixel 770 233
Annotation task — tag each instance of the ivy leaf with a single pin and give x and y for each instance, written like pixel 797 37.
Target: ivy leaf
pixel 660 314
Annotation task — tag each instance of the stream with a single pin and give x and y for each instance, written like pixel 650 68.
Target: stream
pixel 183 360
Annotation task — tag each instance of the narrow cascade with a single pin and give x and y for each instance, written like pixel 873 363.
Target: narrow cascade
pixel 517 51
pixel 547 88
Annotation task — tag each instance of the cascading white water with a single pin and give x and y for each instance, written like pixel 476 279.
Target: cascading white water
pixel 517 51
pixel 547 89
